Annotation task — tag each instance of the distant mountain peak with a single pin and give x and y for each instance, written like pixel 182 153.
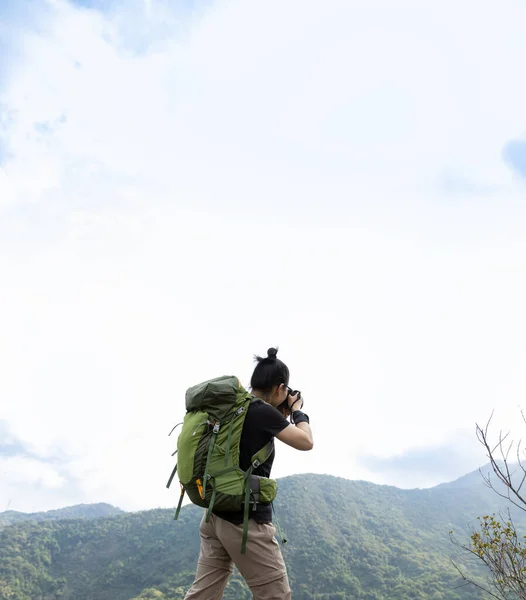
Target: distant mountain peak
pixel 477 477
pixel 77 511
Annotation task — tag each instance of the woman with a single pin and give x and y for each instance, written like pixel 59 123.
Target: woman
pixel 262 565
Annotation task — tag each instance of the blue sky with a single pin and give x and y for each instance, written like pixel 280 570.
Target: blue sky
pixel 183 185
pixel 514 154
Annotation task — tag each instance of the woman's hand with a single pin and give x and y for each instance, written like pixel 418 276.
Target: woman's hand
pixel 295 402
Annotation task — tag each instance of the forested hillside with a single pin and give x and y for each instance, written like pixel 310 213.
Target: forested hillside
pixel 347 539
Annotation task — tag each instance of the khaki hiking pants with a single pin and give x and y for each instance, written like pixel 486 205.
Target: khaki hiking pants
pixel 262 566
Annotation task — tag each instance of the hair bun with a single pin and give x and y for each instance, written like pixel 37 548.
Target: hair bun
pixel 272 353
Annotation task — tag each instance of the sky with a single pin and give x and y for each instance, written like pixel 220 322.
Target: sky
pixel 186 184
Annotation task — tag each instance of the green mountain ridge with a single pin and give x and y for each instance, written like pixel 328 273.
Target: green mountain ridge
pixel 77 511
pixel 346 539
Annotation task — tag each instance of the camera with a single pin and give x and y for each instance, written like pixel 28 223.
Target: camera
pixel 284 406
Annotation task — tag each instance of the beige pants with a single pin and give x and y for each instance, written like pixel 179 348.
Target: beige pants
pixel 262 566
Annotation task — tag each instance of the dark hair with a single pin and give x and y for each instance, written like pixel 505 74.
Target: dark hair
pixel 269 372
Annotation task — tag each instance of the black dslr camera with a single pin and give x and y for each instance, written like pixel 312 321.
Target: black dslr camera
pixel 284 406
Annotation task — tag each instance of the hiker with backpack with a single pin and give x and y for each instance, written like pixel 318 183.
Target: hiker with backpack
pixel 225 455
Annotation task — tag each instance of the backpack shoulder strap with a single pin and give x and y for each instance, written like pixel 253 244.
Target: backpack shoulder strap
pixel 257 459
pixel 261 456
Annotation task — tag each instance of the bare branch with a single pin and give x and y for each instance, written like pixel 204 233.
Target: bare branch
pixel 496 543
pixel 521 466
pixel 472 582
pixel 503 473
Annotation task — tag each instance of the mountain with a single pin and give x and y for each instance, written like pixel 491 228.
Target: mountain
pixel 79 511
pixel 477 478
pixel 346 539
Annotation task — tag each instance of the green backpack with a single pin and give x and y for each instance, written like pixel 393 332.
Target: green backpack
pixel 208 452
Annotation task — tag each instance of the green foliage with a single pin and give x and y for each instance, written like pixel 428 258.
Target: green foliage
pixel 500 548
pixel 347 539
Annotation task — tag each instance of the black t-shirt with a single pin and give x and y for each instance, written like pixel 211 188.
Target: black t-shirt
pixel 262 423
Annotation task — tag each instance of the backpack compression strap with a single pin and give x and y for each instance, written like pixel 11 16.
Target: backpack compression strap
pixel 172 476
pixel 211 445
pixel 175 468
pixel 180 503
pixel 258 459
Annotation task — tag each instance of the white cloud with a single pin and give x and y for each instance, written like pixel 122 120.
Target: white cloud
pixel 17 470
pixel 260 174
